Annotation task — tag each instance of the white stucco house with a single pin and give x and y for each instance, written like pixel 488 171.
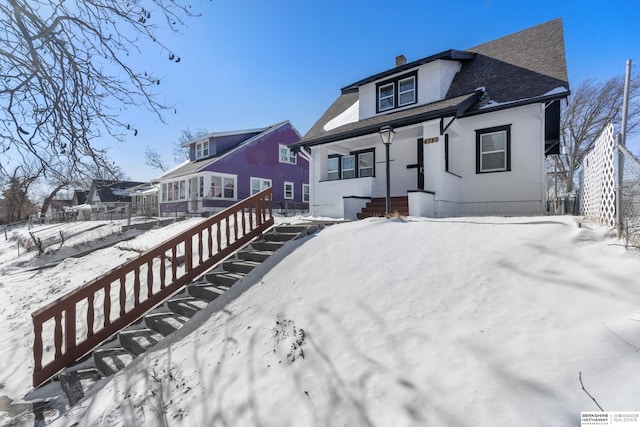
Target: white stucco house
pixel 472 128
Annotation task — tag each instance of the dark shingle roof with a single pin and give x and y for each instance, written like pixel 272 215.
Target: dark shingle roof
pixel 190 167
pixel 114 191
pixel 521 66
pixel 525 67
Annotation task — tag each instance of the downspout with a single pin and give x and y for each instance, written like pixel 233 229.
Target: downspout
pixel 307 156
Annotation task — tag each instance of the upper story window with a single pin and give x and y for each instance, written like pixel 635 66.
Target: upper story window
pixel 398 92
pixel 493 149
pixel 202 149
pixel 286 155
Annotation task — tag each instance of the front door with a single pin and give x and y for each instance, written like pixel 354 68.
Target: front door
pixel 419 165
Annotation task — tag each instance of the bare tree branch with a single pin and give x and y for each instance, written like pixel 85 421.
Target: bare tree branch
pixel 66 75
pixel 591 106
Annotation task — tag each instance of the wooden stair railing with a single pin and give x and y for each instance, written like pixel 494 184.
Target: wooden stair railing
pixel 140 284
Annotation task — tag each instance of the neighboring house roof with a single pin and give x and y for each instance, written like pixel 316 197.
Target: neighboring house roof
pixel 113 191
pixel 522 68
pixel 188 168
pixel 80 196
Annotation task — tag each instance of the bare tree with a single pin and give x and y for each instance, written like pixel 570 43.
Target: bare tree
pixel 65 75
pixel 180 152
pixel 154 159
pixel 591 106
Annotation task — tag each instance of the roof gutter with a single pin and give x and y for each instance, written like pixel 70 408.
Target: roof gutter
pixel 456 110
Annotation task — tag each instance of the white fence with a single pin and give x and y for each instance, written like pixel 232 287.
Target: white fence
pixel 598 187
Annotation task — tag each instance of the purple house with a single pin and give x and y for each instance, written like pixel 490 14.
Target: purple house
pixel 225 167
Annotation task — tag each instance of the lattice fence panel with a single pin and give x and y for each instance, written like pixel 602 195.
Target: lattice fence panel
pixel 598 198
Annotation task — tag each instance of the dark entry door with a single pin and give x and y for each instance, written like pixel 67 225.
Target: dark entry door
pixel 419 165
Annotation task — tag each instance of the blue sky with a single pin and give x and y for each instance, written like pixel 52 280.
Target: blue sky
pixel 250 63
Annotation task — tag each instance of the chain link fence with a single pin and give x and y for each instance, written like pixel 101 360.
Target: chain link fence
pixel 630 206
pixel 607 168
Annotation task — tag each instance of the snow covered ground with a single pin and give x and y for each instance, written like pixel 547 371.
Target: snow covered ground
pixel 405 322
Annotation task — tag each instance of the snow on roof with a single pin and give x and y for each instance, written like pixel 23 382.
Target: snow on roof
pixel 350 115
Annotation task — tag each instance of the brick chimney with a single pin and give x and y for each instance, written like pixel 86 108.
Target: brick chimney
pixel 400 60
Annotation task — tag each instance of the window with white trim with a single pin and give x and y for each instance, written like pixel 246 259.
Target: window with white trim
pixel 397 92
pixel 223 187
pixel 493 149
pixel 259 184
pixel 202 149
pixel 288 190
pixel 286 155
pixel 173 191
pixel 386 97
pixel 306 190
pixel 406 91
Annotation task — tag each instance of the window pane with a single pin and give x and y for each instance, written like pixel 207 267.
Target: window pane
pixel 216 186
pixel 333 164
pixel 229 187
pixel 493 161
pixel 493 141
pixel 365 164
pixel 305 192
pixel 385 97
pixel 349 166
pixel 406 90
pixel 288 190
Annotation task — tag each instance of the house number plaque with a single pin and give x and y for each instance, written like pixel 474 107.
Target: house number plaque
pixel 431 140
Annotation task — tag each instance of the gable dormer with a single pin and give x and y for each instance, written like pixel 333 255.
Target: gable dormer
pixel 217 143
pixel 408 85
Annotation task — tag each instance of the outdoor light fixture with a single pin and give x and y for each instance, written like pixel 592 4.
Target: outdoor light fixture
pixel 386 133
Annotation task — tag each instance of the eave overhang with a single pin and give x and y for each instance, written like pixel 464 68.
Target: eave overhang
pixel 396 120
pixel 452 54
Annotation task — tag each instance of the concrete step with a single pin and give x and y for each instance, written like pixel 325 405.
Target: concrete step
pixel 279 237
pixel 206 291
pixel 165 323
pixel 239 266
pixel 223 278
pixel 186 305
pixel 111 360
pixel 291 228
pixel 137 341
pixel 263 245
pixel 76 383
pixel 257 256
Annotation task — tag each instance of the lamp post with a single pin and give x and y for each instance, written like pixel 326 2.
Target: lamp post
pixel 386 133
